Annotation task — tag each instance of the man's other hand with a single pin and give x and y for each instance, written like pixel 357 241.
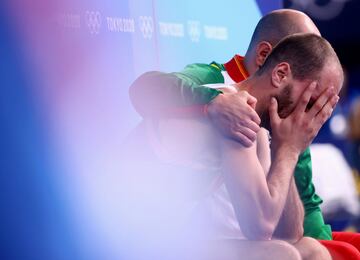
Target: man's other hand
pixel 296 131
pixel 233 113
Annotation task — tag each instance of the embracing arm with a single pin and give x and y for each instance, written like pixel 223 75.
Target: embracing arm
pixel 158 94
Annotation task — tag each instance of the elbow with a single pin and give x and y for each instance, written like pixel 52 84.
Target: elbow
pixel 291 233
pixel 298 233
pixel 259 230
pixel 135 95
pixel 153 93
pixel 142 92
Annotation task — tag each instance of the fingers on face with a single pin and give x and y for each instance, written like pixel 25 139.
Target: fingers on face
pixel 334 100
pixel 326 111
pixel 324 98
pixel 305 98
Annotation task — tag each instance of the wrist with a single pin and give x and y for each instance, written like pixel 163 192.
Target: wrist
pixel 287 152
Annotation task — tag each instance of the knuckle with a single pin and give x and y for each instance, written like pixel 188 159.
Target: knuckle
pixel 303 102
pixel 327 114
pixel 317 106
pixel 243 94
pixel 305 99
pixel 333 102
pixel 324 117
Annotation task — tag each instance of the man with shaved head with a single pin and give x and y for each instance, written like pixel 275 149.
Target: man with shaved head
pixel 191 94
pixel 270 30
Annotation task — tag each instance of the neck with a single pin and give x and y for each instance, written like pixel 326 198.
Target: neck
pixel 249 66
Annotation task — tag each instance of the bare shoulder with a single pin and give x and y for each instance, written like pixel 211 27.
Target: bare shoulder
pixel 229 89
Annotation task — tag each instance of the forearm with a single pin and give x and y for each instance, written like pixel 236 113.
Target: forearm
pixel 262 199
pixel 279 182
pixel 290 226
pixel 154 93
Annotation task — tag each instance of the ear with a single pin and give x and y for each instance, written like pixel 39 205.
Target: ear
pixel 281 74
pixel 263 49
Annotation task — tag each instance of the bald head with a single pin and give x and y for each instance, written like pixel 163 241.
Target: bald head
pixel 271 29
pixel 280 23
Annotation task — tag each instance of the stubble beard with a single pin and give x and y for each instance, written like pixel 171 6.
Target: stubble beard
pixel 284 107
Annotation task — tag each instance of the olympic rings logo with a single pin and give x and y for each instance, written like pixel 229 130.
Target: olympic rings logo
pixel 93 21
pixel 146 25
pixel 194 30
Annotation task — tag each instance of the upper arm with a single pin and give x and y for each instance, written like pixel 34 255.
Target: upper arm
pixel 241 164
pixel 203 74
pixel 246 183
